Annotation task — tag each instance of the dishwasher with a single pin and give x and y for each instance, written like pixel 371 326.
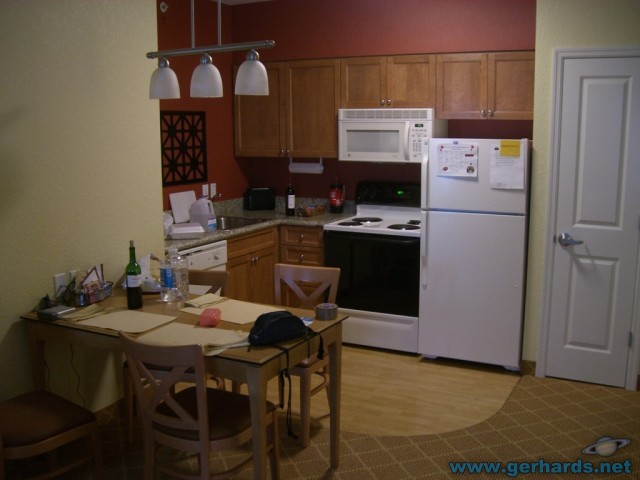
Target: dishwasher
pixel 212 256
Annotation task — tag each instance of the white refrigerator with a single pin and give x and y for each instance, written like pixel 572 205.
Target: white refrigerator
pixel 473 249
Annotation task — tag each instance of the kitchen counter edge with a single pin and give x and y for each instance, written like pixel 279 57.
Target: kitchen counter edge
pixel 270 218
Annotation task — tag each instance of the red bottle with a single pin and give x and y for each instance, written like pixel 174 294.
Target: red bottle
pixel 336 198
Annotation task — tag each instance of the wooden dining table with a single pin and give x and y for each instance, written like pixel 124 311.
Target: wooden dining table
pixel 254 366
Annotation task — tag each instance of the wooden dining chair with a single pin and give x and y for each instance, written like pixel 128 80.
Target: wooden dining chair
pixel 305 287
pixel 40 423
pixel 217 281
pixel 197 420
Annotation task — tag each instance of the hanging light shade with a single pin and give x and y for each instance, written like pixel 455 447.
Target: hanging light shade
pixel 252 76
pixel 164 82
pixel 206 81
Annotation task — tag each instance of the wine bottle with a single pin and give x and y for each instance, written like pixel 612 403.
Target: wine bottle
pixel 133 275
pixel 291 201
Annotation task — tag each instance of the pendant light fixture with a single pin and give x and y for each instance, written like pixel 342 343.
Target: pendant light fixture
pixel 252 76
pixel 164 81
pixel 206 80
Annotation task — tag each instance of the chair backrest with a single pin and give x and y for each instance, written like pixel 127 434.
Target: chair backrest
pixel 155 388
pixel 311 285
pixel 217 279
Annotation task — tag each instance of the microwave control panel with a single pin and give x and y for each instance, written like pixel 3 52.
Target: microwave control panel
pixel 418 131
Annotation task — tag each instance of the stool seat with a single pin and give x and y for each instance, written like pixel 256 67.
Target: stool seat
pixel 23 421
pixel 39 423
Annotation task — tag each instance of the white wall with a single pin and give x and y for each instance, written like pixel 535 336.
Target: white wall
pixel 79 167
pixel 562 24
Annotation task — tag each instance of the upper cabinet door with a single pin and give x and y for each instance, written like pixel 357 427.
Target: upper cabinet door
pixel 461 85
pixel 411 81
pixel 401 81
pixel 364 82
pixel 311 106
pixel 260 120
pixel 510 81
pixel 485 85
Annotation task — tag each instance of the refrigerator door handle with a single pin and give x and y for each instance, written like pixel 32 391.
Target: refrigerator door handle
pixel 424 173
pixel 423 250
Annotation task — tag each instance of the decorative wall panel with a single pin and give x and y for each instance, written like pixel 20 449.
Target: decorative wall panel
pixel 184 147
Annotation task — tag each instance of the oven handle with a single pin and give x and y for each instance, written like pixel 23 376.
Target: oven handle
pixel 423 248
pixel 371 237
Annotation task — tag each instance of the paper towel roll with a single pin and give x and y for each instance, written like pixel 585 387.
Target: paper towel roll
pixel 326 311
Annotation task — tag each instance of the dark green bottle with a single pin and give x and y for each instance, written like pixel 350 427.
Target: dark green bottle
pixel 290 199
pixel 133 275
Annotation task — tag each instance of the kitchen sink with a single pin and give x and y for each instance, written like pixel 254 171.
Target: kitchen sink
pixel 229 223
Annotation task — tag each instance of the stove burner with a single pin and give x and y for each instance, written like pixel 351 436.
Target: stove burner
pixel 361 222
pixel 365 220
pixel 399 226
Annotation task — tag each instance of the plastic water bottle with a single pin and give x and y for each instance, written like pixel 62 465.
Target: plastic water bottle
pixel 174 277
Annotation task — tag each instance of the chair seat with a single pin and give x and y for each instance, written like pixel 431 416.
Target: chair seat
pixel 229 413
pixel 312 361
pixel 59 416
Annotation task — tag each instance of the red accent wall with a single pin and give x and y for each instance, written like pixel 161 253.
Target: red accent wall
pixel 334 28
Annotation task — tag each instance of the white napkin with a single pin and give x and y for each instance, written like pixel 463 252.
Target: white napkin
pixel 205 300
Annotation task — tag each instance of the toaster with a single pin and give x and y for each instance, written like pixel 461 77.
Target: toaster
pixel 260 199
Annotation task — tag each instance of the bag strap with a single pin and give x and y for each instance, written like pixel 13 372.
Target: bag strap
pixel 284 375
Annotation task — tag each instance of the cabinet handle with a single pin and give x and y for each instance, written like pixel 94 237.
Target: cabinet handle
pixel 301 238
pixel 483 114
pixel 301 257
pixel 389 102
pixel 490 113
pixel 382 102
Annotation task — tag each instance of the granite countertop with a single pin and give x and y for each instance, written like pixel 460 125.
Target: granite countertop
pixel 271 218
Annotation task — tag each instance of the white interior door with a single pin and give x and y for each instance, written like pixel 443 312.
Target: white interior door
pixel 593 284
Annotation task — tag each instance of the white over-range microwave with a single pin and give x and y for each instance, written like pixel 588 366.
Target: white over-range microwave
pixel 391 135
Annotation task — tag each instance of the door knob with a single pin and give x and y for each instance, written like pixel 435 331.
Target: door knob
pixel 567 240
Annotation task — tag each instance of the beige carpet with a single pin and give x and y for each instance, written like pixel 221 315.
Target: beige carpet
pixel 543 419
pixel 548 419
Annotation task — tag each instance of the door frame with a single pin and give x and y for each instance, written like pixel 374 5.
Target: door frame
pixel 560 56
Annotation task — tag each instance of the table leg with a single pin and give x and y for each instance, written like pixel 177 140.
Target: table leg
pixel 257 385
pixel 335 371
pixel 36 351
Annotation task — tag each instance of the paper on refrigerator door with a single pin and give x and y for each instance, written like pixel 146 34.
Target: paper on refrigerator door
pixel 506 166
pixel 457 159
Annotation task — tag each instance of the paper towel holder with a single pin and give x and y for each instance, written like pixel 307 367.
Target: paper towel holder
pixel 305 167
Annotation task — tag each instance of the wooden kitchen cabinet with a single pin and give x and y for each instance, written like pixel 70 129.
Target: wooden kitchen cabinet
pixel 251 259
pixel 302 245
pixel 485 85
pixel 297 118
pixel 400 81
pixel 260 119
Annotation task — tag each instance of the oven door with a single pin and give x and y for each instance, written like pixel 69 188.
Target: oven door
pixel 378 273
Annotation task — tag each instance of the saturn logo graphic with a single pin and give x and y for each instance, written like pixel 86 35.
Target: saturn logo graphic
pixel 606 446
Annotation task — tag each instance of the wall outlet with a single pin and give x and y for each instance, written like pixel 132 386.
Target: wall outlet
pixel 213 190
pixel 205 190
pixel 59 284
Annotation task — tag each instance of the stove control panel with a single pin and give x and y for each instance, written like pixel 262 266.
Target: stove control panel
pixel 388 193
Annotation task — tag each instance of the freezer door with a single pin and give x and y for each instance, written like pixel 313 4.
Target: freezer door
pixel 471 294
pixel 491 185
